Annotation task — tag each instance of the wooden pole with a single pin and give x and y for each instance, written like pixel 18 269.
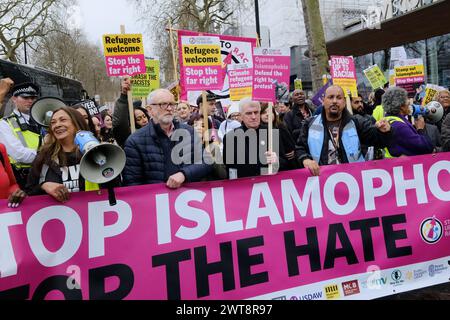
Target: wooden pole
pixel 349 102
pixel 270 136
pixel 174 59
pixel 130 97
pixel 205 119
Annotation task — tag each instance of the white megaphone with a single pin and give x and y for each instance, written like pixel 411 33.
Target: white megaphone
pixel 433 111
pixel 101 162
pixel 43 108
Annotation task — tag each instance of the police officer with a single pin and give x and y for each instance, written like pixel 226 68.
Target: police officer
pixel 19 133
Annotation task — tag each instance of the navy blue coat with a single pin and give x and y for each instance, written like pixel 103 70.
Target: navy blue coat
pixel 146 160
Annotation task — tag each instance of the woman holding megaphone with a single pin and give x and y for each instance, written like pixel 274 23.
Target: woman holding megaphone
pixel 56 169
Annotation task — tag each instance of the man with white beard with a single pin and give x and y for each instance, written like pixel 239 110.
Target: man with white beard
pixel 149 150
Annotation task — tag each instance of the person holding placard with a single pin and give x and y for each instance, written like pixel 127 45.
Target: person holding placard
pixel 245 148
pixel 286 142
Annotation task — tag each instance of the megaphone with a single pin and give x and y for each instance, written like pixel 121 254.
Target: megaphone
pixel 433 111
pixel 43 108
pixel 101 162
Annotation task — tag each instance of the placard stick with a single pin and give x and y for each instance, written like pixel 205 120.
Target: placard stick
pixel 130 97
pixel 174 59
pixel 349 102
pixel 270 110
pixel 205 119
pixel 270 128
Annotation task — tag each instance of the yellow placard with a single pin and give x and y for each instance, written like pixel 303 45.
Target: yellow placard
pixel 298 84
pixel 237 94
pixel 143 84
pixel 123 44
pixel 347 85
pixel 201 55
pixel 375 77
pixel 409 71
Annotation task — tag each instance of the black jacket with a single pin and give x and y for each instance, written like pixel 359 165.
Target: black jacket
pixel 121 120
pixel 146 160
pixel 294 120
pixel 368 135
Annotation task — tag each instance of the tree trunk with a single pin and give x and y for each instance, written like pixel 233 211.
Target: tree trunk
pixel 316 41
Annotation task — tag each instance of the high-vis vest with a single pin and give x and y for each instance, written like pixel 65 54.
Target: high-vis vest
pixel 28 138
pixel 391 120
pixel 350 141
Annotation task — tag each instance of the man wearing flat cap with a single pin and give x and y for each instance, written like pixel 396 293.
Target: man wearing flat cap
pixel 19 133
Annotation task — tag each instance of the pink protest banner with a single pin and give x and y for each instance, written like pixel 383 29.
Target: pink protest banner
pixel 124 54
pixel 343 73
pixel 201 64
pixel 234 50
pixel 359 231
pixel 271 69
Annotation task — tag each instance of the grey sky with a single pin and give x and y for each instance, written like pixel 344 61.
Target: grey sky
pixel 99 17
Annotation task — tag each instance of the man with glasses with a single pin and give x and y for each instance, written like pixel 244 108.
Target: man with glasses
pixel 149 151
pixel 19 133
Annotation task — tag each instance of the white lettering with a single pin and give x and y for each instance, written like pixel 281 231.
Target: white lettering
pixel 433 180
pixel 163 219
pixel 370 192
pixel 8 263
pixel 255 211
pixel 330 196
pixel 98 232
pixel 199 216
pixel 417 183
pixel 220 216
pixel 72 241
pixel 290 196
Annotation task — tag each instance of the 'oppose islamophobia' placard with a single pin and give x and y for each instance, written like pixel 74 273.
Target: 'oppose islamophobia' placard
pixel 359 231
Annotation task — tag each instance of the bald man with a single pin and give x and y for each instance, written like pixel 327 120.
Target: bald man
pixel 300 111
pixel 335 136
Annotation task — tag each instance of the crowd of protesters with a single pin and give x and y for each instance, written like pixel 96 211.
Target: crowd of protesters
pixel 175 144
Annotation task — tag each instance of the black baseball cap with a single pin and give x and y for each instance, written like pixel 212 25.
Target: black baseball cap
pixel 26 89
pixel 209 97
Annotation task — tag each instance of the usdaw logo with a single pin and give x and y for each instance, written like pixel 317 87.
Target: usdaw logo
pixel 332 292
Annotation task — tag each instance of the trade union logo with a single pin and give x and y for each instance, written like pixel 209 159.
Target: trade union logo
pixel 435 269
pixel 397 277
pixel 431 230
pixel 350 287
pixel 332 292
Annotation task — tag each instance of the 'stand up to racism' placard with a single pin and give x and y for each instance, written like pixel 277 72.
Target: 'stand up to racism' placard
pixel 124 54
pixel 201 63
pixel 343 73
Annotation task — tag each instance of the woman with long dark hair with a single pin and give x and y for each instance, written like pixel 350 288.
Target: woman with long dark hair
pixel 56 169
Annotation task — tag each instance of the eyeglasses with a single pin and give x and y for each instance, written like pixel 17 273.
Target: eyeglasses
pixel 166 105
